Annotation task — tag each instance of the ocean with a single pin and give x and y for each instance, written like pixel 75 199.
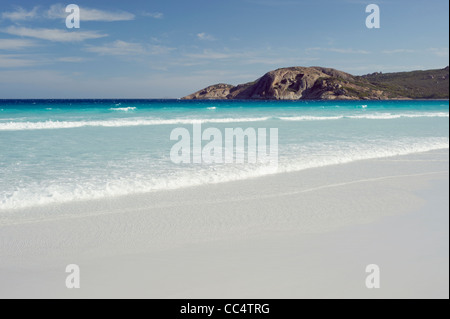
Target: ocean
pixel 57 151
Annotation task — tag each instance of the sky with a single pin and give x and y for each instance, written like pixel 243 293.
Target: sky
pixel 171 48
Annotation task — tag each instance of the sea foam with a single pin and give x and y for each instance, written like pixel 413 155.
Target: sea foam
pixel 98 188
pixel 53 124
pixel 123 109
pixel 47 125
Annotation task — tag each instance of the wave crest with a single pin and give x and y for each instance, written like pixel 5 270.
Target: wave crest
pixel 51 124
pixel 123 109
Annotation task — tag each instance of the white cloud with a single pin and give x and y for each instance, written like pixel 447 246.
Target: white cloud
pixel 15 44
pixel 20 14
pixel 128 49
pixel 206 37
pixel 58 11
pixel 55 35
pixel 28 60
pixel 155 15
pixel 15 61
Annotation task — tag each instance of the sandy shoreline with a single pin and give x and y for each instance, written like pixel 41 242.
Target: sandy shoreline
pixel 306 234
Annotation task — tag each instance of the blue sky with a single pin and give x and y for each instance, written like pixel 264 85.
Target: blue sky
pixel 171 48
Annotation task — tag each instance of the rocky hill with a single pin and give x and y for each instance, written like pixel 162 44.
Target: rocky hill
pixel 317 83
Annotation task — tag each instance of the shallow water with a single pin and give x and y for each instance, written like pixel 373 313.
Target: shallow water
pixel 64 150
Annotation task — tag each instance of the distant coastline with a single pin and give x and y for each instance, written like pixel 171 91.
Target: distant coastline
pixel 318 83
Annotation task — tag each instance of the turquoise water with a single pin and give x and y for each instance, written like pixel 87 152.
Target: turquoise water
pixel 62 151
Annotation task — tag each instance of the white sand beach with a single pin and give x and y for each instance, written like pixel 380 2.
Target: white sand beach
pixel 307 234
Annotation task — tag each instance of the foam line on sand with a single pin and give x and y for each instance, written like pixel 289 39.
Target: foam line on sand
pixel 307 234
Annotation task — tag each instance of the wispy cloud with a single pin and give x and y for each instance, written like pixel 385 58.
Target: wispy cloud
pixel 205 37
pixel 55 35
pixel 118 48
pixel 123 48
pixel 20 14
pixel 364 2
pixel 71 59
pixel 274 59
pixel 339 50
pixel 369 68
pixel 160 49
pixel 395 51
pixel 57 11
pixel 440 52
pixel 214 55
pixel 57 84
pixel 274 3
pixel 154 15
pixel 15 61
pixel 288 61
pixel 16 44
pixel 226 73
